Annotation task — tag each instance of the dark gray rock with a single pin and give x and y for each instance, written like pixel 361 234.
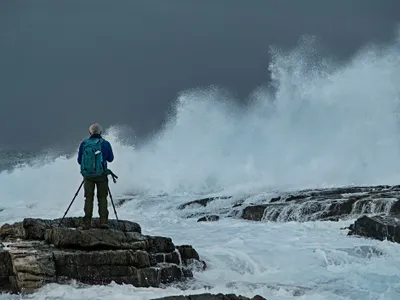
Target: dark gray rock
pixel 301 210
pixel 208 296
pixel 395 209
pixel 36 252
pixel 15 231
pixel 325 205
pixel 211 218
pixel 310 205
pixel 187 252
pixel 254 212
pixel 377 227
pixel 202 202
pixel 35 229
pixel 5 270
pixel 99 239
pixel 121 266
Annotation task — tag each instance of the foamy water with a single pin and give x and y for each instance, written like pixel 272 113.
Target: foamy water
pixel 312 260
pixel 327 125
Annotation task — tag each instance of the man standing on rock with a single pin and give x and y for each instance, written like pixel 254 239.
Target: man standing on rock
pixel 93 155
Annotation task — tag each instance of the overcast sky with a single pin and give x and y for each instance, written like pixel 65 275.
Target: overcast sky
pixel 65 64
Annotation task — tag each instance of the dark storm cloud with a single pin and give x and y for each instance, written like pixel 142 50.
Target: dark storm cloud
pixel 65 64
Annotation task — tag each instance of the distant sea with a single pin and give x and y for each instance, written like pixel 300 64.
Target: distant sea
pixel 10 160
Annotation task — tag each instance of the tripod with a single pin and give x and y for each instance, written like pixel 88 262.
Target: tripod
pixel 114 177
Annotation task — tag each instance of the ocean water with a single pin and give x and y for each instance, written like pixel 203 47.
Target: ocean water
pixel 326 124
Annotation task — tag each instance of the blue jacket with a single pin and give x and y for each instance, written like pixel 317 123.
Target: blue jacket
pixel 108 155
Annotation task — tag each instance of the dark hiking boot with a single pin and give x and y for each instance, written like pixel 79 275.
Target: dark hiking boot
pixel 104 226
pixel 86 224
pixel 86 227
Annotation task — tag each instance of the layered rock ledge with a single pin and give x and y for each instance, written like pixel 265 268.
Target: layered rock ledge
pixel 375 208
pixel 306 205
pixel 207 296
pixel 35 252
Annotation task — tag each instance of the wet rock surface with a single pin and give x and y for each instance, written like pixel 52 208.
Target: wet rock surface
pixel 311 205
pixel 202 202
pixel 36 251
pixel 377 227
pixel 207 296
pixel 376 209
pixel 211 218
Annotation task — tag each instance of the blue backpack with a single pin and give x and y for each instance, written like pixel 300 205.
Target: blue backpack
pixel 92 158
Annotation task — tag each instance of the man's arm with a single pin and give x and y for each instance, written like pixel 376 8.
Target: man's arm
pixel 80 153
pixel 109 152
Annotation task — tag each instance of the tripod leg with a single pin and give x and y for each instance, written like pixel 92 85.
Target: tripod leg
pixel 112 202
pixel 76 194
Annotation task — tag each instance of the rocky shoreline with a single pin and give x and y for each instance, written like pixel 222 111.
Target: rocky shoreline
pixel 208 296
pixel 376 209
pixel 35 252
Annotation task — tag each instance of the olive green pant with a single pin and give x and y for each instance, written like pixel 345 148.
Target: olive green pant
pixel 101 183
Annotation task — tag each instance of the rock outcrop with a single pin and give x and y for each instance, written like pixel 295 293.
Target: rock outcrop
pixel 36 251
pixel 375 208
pixel 203 202
pixel 211 218
pixel 307 205
pixel 207 296
pixel 377 227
